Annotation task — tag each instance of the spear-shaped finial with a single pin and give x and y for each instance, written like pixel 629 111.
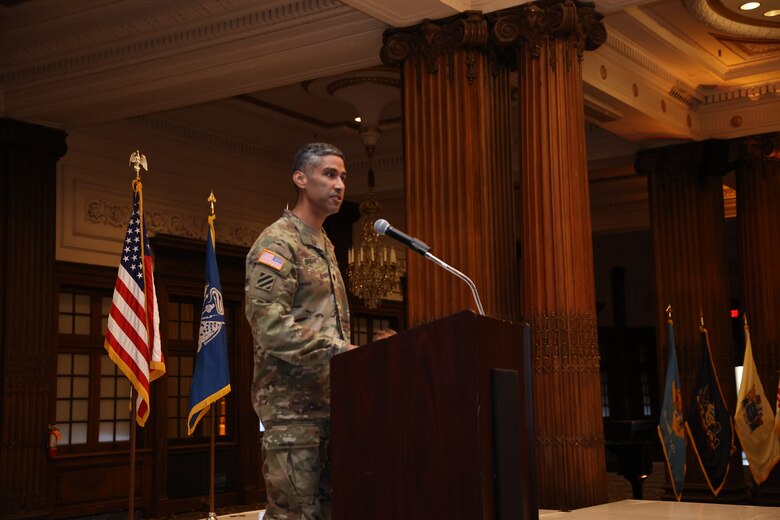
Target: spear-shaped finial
pixel 701 317
pixel 138 160
pixel 669 310
pixel 211 200
pixel 744 319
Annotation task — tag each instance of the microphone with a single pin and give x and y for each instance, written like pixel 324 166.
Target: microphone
pixel 383 227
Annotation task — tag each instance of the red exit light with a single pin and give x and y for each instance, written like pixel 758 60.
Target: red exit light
pixel 735 313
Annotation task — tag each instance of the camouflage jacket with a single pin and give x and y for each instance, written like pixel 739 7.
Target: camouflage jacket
pixel 296 304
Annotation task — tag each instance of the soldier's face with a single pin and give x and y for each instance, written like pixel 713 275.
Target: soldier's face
pixel 324 184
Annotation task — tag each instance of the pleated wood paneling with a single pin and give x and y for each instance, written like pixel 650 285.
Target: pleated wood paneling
pixel 459 191
pixel 687 221
pixel 558 297
pixel 758 216
pixel 28 157
pixel 558 294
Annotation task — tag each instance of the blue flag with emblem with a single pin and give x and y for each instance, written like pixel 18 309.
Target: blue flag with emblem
pixel 211 380
pixel 709 422
pixel 671 428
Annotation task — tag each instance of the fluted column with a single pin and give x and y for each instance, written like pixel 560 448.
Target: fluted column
pixel 687 225
pixel 28 158
pixel 758 216
pixel 558 297
pixel 459 193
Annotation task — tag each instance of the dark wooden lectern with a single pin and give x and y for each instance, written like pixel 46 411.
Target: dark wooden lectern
pixel 435 423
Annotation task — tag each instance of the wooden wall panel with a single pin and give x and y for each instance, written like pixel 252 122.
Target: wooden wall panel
pixel 28 158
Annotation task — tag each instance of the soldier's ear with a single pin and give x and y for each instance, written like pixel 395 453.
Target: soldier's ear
pixel 299 179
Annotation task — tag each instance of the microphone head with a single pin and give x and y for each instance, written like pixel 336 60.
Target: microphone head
pixel 381 226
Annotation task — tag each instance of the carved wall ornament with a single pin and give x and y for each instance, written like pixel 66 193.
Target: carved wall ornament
pixel 564 342
pixel 98 211
pixel 682 92
pixel 565 440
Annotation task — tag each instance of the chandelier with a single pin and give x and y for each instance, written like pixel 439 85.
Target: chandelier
pixel 374 269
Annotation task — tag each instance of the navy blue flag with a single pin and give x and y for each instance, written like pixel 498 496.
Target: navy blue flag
pixel 211 380
pixel 671 428
pixel 709 422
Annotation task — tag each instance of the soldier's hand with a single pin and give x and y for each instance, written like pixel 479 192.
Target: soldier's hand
pixel 352 347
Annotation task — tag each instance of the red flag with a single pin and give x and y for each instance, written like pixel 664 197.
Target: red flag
pixel 133 331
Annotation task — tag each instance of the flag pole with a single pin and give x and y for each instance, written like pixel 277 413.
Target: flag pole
pixel 131 506
pixel 212 442
pixel 212 445
pixel 138 161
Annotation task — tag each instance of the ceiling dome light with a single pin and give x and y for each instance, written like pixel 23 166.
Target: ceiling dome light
pixel 749 6
pixel 773 12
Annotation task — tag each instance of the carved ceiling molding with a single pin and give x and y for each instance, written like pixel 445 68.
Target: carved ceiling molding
pixel 694 98
pixel 749 48
pixel 641 57
pixel 188 28
pixel 189 133
pixel 704 12
pixel 750 93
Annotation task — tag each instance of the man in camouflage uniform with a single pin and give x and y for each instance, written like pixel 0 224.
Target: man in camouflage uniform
pixel 296 304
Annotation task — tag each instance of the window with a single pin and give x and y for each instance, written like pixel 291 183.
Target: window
pixel 604 395
pixel 364 326
pixel 92 397
pixel 646 404
pixel 72 415
pixel 114 420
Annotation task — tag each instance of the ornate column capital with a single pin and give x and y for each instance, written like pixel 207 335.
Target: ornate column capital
pixel 763 147
pixel 714 157
pixel 529 25
pixel 430 40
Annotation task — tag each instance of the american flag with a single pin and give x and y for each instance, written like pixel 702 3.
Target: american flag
pixel 133 331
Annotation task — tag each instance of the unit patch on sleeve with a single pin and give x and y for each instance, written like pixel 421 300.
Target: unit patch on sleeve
pixel 265 281
pixel 271 259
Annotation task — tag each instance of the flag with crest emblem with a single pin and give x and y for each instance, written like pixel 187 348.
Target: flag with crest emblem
pixel 671 428
pixel 709 422
pixel 754 420
pixel 211 379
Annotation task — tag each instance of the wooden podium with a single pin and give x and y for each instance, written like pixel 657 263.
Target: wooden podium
pixel 435 423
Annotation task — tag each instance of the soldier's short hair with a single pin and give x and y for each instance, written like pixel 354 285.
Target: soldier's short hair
pixel 310 154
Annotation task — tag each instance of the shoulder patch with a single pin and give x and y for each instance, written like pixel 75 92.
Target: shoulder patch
pixel 271 259
pixel 265 281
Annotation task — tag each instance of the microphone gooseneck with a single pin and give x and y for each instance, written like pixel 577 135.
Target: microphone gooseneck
pixel 383 227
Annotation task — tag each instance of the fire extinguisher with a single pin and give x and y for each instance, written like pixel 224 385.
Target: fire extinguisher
pixel 54 437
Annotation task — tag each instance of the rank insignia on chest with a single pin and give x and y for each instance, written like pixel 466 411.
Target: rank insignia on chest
pixel 271 259
pixel 265 281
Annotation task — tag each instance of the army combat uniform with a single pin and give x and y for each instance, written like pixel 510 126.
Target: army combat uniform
pixel 296 304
